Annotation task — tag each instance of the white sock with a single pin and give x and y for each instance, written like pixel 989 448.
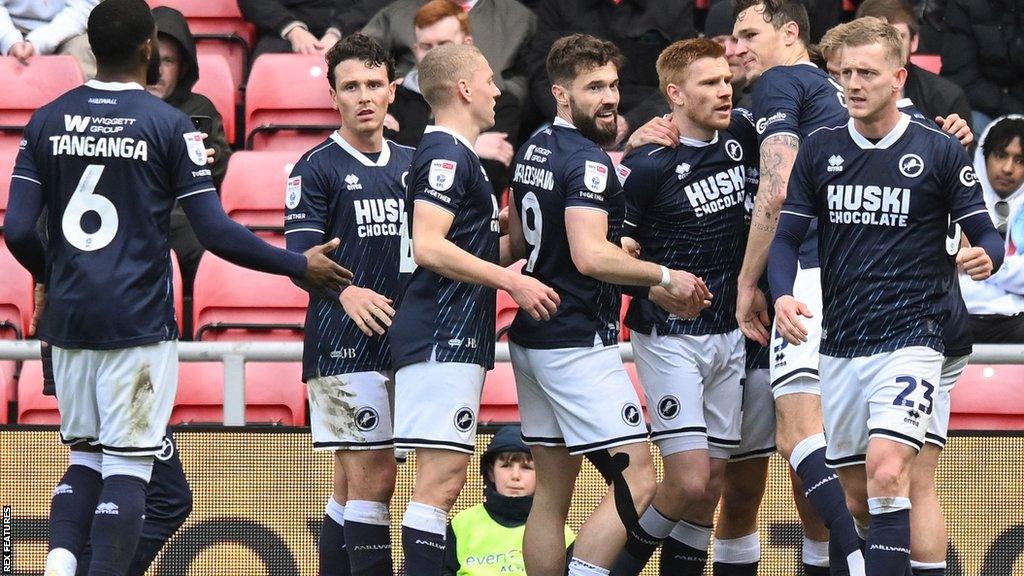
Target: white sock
pixel 579 567
pixel 368 512
pixel 815 553
pixel 696 537
pixel 335 511
pixel 656 524
pixel 60 562
pixel 742 550
pixel 425 518
pixel 927 565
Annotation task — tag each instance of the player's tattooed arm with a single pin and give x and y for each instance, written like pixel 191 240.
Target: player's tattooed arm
pixel 778 154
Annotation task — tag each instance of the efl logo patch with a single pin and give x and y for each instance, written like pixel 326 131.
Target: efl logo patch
pixel 195 147
pixel 595 176
pixel 911 165
pixel 622 172
pixel 293 192
pixel 442 174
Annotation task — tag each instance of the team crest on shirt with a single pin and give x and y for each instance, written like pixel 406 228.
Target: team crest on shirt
pixel 911 165
pixel 442 174
pixel 166 450
pixel 968 177
pixel 595 176
pixel 464 419
pixel 195 147
pixel 668 407
pixel 293 192
pixel 734 150
pixel 631 414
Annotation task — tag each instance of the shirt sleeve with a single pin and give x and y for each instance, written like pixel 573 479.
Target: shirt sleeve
pixel 776 105
pixel 960 183
pixel 637 175
pixel 190 174
pixel 306 200
pixel 801 194
pixel 589 181
pixel 442 178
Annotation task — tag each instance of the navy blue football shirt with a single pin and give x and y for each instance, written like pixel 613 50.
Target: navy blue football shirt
pixel 884 209
pixel 686 207
pixel 797 100
pixel 110 160
pixel 340 192
pixel 557 170
pixel 452 320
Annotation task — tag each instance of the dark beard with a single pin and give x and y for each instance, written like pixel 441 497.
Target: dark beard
pixel 587 125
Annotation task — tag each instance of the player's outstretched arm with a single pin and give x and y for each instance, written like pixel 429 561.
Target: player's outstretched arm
pixel 778 154
pixel 587 230
pixel 513 243
pixel 233 242
pixel 985 255
pixel 432 250
pixel 782 269
pixel 23 209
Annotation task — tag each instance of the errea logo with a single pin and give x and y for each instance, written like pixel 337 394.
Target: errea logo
pixel 682 171
pixel 352 182
pixel 835 163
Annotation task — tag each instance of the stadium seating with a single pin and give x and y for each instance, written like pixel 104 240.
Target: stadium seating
pixel 253 188
pixel 179 293
pixel 288 106
pixel 215 83
pixel 33 407
pixel 499 403
pixel 219 29
pixel 274 394
pixel 8 154
pixel 26 88
pixel 233 303
pixel 930 62
pixel 989 397
pixel 15 296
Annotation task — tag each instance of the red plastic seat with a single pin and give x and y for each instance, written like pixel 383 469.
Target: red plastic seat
pixel 930 62
pixel 33 407
pixel 29 87
pixel 218 28
pixel 8 386
pixel 499 403
pixel 8 154
pixel 215 82
pixel 989 397
pixel 234 303
pixel 254 187
pixel 179 294
pixel 274 393
pixel 15 296
pixel 287 103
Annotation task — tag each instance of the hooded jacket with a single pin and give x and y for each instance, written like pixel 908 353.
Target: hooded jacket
pixel 983 52
pixel 1003 292
pixel 172 25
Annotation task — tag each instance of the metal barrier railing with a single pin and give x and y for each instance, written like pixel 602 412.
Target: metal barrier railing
pixel 234 355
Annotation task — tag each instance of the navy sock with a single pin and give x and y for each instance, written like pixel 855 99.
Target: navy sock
pixel 812 570
pixel 424 552
pixel 368 534
pixel 117 524
pixel 679 559
pixel 71 509
pixel 835 551
pixel 822 489
pixel 929 571
pixel 642 541
pixel 723 569
pixel 334 559
pixel 888 551
pixel 145 553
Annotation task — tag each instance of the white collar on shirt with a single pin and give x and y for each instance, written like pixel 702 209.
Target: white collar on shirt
pixel 113 86
pixel 382 160
pixel 453 134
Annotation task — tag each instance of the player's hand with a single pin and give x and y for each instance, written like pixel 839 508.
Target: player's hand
pixel 210 152
pixel 752 314
pixel 495 146
pixel 788 311
pixel 503 220
pixel 391 123
pixel 38 305
pixel 631 246
pixel 371 312
pixel 322 273
pixel 957 126
pixel 534 297
pixel 328 40
pixel 659 130
pixel 22 51
pixel 685 296
pixel 975 262
pixel 303 42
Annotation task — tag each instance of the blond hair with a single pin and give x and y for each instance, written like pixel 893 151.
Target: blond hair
pixel 832 41
pixel 442 69
pixel 869 30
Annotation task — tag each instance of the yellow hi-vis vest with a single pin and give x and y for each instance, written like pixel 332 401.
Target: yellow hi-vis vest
pixel 486 548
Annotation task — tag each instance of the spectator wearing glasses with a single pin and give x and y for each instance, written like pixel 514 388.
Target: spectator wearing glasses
pixel 996 305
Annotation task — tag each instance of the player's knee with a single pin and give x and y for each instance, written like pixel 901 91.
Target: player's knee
pixel 858 507
pixel 643 482
pixel 888 478
pixel 377 484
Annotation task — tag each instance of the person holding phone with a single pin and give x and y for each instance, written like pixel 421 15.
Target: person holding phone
pixel 179 72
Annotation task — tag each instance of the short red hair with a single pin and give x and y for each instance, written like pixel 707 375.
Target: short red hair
pixel 436 10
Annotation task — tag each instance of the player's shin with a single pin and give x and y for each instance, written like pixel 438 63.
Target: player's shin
pixel 71 511
pixel 641 542
pixel 368 535
pixel 334 560
pixel 685 552
pixel 423 539
pixel 888 548
pixel 823 490
pixel 117 522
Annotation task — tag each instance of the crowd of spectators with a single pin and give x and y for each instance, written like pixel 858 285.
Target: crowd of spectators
pixel 982 77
